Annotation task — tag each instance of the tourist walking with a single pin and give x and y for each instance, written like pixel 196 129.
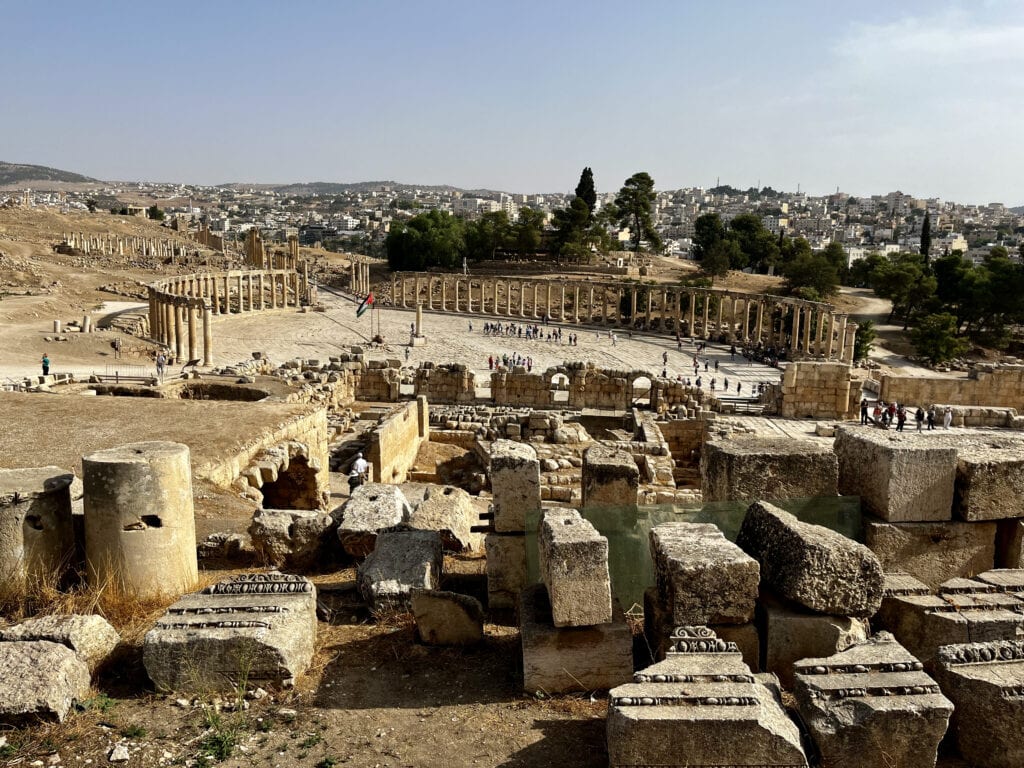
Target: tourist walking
pixel 901 418
pixel 161 364
pixel 864 410
pixel 947 417
pixel 931 416
pixel 46 365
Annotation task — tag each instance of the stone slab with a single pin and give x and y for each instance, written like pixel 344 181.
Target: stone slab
pixel 932 552
pixel 989 481
pixel 574 568
pixel 91 637
pixel 985 682
pixel 764 468
pixel 811 565
pixel 515 484
pixel 260 628
pixel 703 577
pixel 372 508
pixel 571 659
pixel 899 477
pixel 40 681
pixel 298 538
pixel 873 701
pixel 401 562
pixel 450 512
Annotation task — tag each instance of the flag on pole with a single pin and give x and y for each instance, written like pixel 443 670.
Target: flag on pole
pixel 366 304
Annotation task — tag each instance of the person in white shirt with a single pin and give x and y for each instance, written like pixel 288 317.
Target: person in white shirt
pixel 360 465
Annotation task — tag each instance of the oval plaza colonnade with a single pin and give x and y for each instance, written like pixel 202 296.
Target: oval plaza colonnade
pixel 806 328
pixel 176 304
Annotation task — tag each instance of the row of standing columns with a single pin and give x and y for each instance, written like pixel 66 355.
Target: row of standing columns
pixel 360 277
pixel 805 328
pixel 120 245
pixel 179 304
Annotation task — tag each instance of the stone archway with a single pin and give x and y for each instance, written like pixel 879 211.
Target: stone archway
pixel 640 390
pixel 295 487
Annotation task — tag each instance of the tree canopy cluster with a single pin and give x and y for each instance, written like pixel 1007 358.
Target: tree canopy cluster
pixel 747 243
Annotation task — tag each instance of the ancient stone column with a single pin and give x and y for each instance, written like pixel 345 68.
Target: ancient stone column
pixel 807 330
pixel 35 527
pixel 522 299
pixel 840 337
pixel 590 306
pixel 760 321
pixel 692 298
pixel 207 338
pixel 178 339
pixel 650 308
pixel 632 307
pixel 444 294
pixel 707 309
pixel 430 293
pixel 547 306
pixel 419 319
pixel 851 340
pixel 250 287
pixel 457 284
pixel 394 289
pixel 192 321
pixel 794 334
pixel 216 295
pixel 718 320
pixel 139 522
pixel 576 303
pixel 536 288
pixel 402 279
pixel 259 290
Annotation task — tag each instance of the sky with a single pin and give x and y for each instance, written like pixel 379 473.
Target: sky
pixel 868 97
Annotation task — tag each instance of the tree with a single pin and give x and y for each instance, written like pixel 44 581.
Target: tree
pixel 571 229
pixel 904 280
pixel 91 205
pixel 716 261
pixel 935 338
pixel 153 212
pixel 634 203
pixel 429 239
pixel 708 230
pixel 586 192
pixel 926 237
pixel 864 340
pixel 529 230
pixel 812 271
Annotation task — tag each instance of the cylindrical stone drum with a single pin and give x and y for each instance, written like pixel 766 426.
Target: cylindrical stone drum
pixel 37 541
pixel 140 530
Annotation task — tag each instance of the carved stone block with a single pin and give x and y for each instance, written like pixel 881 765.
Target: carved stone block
pixel 760 468
pixel 574 568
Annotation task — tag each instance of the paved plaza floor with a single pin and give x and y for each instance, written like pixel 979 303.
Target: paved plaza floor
pixel 286 335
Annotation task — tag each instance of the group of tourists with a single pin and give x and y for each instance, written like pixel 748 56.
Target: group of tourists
pixel 528 332
pixel 510 360
pixel 886 414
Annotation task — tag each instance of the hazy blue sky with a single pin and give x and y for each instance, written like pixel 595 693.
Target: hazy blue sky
pixel 927 97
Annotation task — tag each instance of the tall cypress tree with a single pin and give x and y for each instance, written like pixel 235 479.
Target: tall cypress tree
pixel 585 190
pixel 926 236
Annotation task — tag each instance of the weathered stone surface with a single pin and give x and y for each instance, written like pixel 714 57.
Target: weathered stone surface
pixel 703 577
pixel 963 611
pixel 297 538
pixel 899 477
pixel 811 565
pixel 515 484
pixel 1010 544
pixel 449 511
pixel 1009 580
pixel 260 628
pixel 875 702
pixel 506 569
pixel 401 562
pixel 764 468
pixel 90 637
pixel 372 508
pixel 40 681
pixel 932 552
pixel 985 682
pixel 701 706
pixel 447 618
pixel 574 568
pixel 989 481
pixel 659 626
pixel 610 477
pixel 36 536
pixel 567 659
pixel 792 633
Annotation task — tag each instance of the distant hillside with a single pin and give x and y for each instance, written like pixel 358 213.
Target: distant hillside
pixel 17 173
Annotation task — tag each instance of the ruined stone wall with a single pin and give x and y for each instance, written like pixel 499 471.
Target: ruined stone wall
pixel 396 441
pixel 379 383
pixel 593 388
pixel 814 390
pixel 309 429
pixel 517 387
pixel 453 383
pixel 991 385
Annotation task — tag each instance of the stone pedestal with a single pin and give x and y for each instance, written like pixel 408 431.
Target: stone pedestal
pixel 763 469
pixel 515 485
pixel 932 552
pixel 574 568
pixel 610 477
pixel 506 569
pixel 875 702
pixel 37 540
pixel 568 659
pixel 140 531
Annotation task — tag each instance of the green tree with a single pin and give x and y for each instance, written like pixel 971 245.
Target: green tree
pixel 814 272
pixel 529 231
pixel 904 280
pixel 571 237
pixel 758 247
pixel 634 203
pixel 586 192
pixel 864 340
pixel 487 235
pixel 708 230
pixel 429 239
pixel 154 213
pixel 935 338
pixel 926 237
pixel 716 261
